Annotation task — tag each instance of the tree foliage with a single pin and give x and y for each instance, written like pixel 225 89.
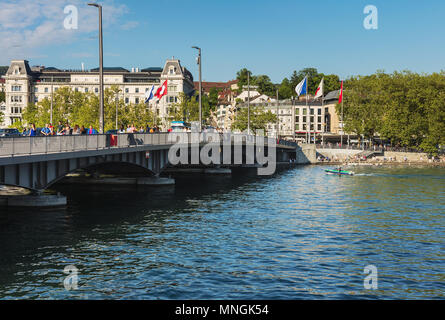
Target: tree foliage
pixel 259 119
pixel 83 109
pixel 2 96
pixel 404 107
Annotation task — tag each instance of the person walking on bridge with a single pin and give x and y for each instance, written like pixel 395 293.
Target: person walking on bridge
pixel 92 131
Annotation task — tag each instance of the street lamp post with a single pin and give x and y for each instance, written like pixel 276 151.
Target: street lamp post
pixel 101 70
pixel 248 102
pixel 200 88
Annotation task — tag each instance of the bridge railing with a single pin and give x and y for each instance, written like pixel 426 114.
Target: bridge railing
pixel 19 146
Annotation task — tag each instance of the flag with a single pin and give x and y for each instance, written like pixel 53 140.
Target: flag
pixel 319 92
pixel 162 90
pixel 149 94
pixel 340 98
pixel 302 87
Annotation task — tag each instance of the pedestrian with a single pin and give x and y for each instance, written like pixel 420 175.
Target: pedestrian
pixel 33 131
pixel 60 128
pixel 76 130
pixel 92 131
pixel 46 131
pixel 83 130
pixel 122 129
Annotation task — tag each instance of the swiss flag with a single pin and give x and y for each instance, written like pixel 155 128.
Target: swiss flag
pixel 162 90
pixel 340 98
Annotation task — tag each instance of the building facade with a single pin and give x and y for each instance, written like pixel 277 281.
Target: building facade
pixel 317 119
pixel 24 85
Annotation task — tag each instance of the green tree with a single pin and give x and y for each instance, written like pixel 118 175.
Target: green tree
pixel 285 90
pixel 406 108
pixel 187 109
pixel 241 76
pixel 259 119
pixel 2 97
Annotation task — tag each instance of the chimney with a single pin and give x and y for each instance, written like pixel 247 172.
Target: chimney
pixel 132 70
pixel 83 67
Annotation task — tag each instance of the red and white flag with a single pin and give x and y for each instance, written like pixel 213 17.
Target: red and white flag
pixel 319 92
pixel 162 90
pixel 340 98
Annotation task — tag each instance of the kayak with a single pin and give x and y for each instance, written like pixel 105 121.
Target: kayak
pixel 339 172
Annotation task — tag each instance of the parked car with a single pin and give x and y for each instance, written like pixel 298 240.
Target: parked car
pixel 9 133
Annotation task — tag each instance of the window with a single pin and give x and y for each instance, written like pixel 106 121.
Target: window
pixel 136 90
pixel 319 119
pixel 304 126
pixel 36 89
pixel 297 111
pixel 297 126
pixel 312 111
pixel 76 89
pixel 304 111
pixel 55 89
pixel 136 100
pixel 319 111
pixel 126 90
pixel 16 88
pixel 16 98
pixel 312 119
pixel 96 90
pixel 319 127
pixel 36 99
pixel 297 119
pixel 46 90
pixel 86 90
pixel 126 100
pixel 2 108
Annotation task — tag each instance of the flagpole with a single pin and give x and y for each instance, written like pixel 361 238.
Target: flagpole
pixel 322 111
pixel 342 124
pixel 308 130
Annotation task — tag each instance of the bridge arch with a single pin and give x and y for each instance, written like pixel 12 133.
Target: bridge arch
pixel 40 175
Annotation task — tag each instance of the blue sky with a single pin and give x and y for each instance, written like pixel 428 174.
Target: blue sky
pixel 267 37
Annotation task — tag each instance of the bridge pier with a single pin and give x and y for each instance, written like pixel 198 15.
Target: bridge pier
pixel 34 200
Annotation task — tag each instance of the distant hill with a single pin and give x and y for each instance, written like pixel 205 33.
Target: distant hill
pixel 3 70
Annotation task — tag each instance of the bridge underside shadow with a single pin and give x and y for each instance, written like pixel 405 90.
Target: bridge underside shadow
pixel 42 174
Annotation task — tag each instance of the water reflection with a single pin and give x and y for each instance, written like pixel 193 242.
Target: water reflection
pixel 299 234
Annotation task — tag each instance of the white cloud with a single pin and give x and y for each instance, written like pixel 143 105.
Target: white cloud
pixel 29 25
pixel 130 25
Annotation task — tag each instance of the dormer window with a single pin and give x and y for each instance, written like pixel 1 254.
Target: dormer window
pixel 172 70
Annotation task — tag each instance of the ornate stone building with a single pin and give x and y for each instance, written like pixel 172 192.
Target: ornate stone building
pixel 25 84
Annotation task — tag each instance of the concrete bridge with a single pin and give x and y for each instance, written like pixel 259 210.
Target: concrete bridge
pixel 36 163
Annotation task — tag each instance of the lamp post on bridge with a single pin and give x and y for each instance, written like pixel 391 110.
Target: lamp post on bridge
pixel 200 87
pixel 101 70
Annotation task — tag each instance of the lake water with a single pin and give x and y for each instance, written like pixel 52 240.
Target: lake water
pixel 300 234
